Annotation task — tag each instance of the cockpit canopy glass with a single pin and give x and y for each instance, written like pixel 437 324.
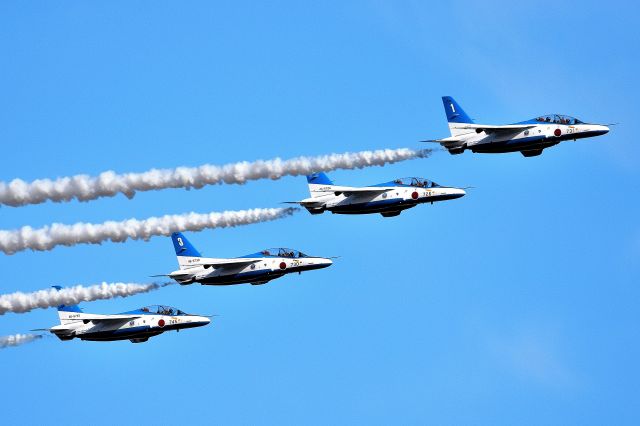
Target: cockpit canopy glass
pixel 162 310
pixel 282 252
pixel 558 119
pixel 417 182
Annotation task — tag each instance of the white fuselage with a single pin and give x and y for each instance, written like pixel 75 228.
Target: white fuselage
pixel 538 136
pixel 110 327
pixel 389 199
pixel 252 270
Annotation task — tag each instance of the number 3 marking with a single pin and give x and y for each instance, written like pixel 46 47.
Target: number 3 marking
pixel 180 243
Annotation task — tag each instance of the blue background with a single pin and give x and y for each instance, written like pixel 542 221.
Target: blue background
pixel 515 304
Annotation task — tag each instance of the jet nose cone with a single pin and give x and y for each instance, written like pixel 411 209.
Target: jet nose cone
pixel 326 263
pixel 322 263
pixel 599 130
pixel 202 320
pixel 459 192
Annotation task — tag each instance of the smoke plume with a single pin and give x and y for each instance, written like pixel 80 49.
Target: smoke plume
pixel 48 237
pixel 108 184
pixel 17 339
pixel 20 302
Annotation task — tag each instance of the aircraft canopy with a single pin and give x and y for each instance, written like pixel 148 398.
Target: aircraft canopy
pixel 280 252
pixel 414 181
pixel 162 310
pixel 557 119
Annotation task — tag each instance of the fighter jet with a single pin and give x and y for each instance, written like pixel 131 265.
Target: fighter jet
pixel 137 325
pixel 257 268
pixel 388 199
pixel 529 137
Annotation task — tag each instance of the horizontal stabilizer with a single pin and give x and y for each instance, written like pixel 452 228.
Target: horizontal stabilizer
pixel 445 140
pixel 305 203
pixel 451 142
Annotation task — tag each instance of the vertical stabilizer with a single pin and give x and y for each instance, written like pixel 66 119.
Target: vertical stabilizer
pixel 319 184
pixel 455 116
pixel 68 313
pixel 185 251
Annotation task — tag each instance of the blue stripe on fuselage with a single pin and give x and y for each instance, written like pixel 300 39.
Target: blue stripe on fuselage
pixel 393 204
pixel 243 277
pixel 119 334
pixel 511 145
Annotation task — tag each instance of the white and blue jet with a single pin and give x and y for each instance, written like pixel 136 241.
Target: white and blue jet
pixel 257 268
pixel 389 198
pixel 137 325
pixel 529 137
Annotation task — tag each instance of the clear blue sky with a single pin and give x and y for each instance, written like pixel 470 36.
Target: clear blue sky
pixel 517 304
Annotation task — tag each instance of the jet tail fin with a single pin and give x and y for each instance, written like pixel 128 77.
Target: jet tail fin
pixel 184 249
pixel 455 113
pixel 455 116
pixel 67 312
pixel 319 184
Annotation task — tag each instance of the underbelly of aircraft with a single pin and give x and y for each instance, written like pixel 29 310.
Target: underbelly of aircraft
pixel 123 334
pixel 242 278
pixel 373 207
pixel 515 145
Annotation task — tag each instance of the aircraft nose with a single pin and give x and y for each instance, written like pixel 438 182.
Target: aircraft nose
pixel 326 263
pixel 458 192
pixel 599 130
pixel 203 320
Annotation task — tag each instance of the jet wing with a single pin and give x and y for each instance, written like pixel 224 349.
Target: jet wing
pixel 112 319
pixel 509 128
pixel 233 263
pixel 458 141
pixel 98 319
pixel 109 317
pixel 350 190
pixel 226 263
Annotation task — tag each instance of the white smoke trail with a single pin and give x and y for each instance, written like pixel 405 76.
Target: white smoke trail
pixel 48 237
pixel 108 184
pixel 17 339
pixel 19 302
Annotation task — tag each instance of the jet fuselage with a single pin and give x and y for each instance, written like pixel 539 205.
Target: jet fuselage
pixel 392 200
pixel 261 271
pixel 137 325
pixel 388 199
pixel 256 268
pixel 529 137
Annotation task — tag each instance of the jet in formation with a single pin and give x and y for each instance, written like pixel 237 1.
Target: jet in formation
pixel 389 198
pixel 529 137
pixel 136 326
pixel 257 268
